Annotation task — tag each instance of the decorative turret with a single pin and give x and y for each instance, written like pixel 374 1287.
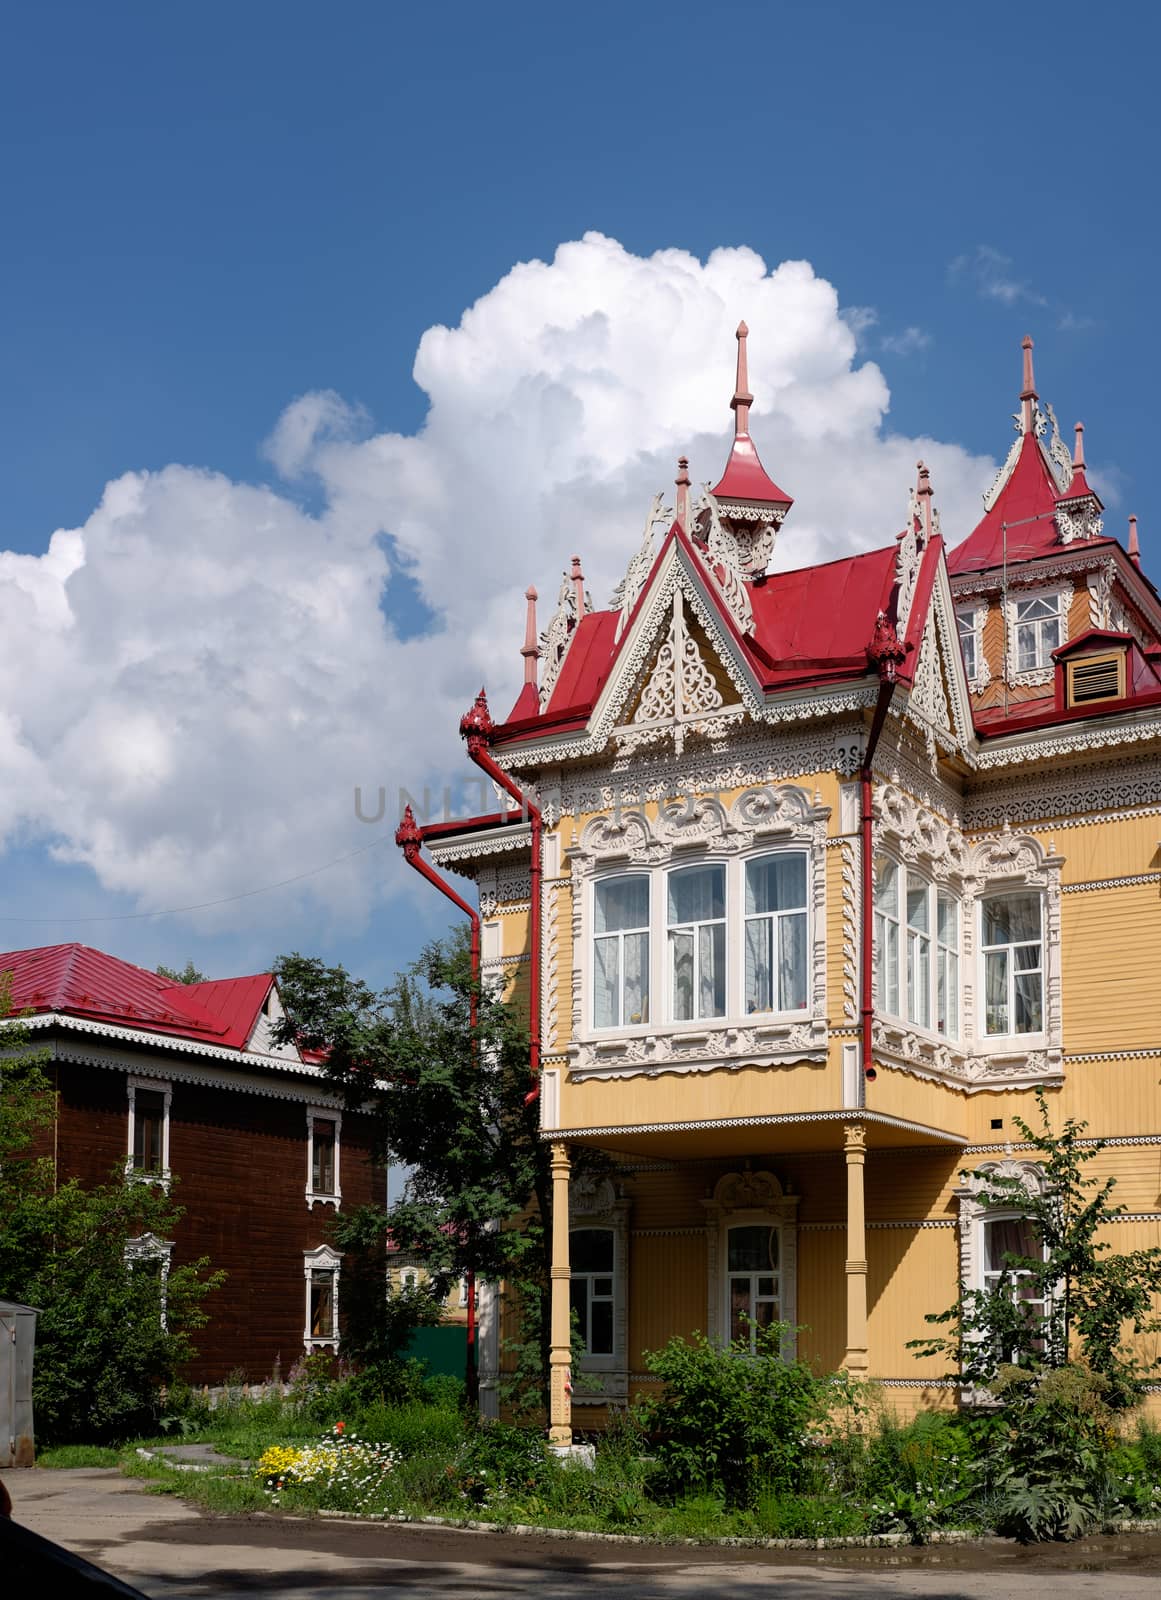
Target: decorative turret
pixel 1079 508
pixel 409 835
pixel 476 725
pixel 748 503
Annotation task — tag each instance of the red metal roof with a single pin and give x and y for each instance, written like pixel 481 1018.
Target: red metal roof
pixel 79 981
pixel 745 478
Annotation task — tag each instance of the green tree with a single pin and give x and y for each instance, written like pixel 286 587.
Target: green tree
pixel 188 974
pixel 114 1326
pixel 1079 1298
pixel 450 1102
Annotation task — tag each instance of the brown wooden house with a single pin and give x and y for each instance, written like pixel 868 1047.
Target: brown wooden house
pixel 184 1085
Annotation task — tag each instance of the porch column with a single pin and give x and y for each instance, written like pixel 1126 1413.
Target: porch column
pixel 560 1356
pixel 855 1149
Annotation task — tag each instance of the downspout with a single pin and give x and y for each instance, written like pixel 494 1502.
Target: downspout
pixel 886 652
pixel 476 728
pixel 409 837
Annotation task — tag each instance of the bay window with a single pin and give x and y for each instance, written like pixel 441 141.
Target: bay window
pixel 1013 956
pixel 910 911
pixel 776 963
pixel 621 951
pixel 697 942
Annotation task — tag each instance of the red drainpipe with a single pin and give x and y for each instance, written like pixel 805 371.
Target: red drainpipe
pixel 476 727
pixel 409 836
pixel 886 652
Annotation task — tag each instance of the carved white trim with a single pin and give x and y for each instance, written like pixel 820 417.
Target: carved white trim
pixel 1054 745
pixel 739 1199
pixel 249 1063
pixel 148 1247
pixel 771 1120
pixel 992 493
pixel 727 565
pixel 558 636
pixel 848 866
pixel 163 1087
pixel 323 1259
pixel 917 834
pixel 1062 593
pixel 1076 797
pixel 1058 454
pixel 974 1211
pixel 323 1114
pixel 762 816
pixel 468 854
pixel 978 613
pixel 1111 883
pixel 628 591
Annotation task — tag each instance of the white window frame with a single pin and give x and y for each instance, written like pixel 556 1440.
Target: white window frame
pixel 755 1278
pixel 909 940
pixel 656 839
pixel 1003 891
pixel 974 1217
pixel 323 1114
pixel 736 912
pixel 694 929
pixel 969 622
pixel 322 1259
pixel 148 1247
pixel 1044 671
pixel 619 935
pixel 751 1199
pixel 135 1174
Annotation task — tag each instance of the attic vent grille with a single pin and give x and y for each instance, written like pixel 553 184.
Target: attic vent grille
pixel 1096 678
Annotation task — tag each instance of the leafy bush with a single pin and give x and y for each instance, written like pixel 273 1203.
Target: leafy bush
pixel 729 1423
pixel 807 1516
pixel 1053 1461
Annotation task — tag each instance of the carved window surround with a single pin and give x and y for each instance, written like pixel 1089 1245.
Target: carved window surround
pixel 974 1212
pixel 762 818
pixel 316 1114
pixel 594 1203
pixel 739 1199
pixel 917 837
pixel 1062 594
pixel 976 616
pixel 324 1261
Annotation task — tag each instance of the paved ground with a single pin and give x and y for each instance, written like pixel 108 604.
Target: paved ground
pixel 175 1552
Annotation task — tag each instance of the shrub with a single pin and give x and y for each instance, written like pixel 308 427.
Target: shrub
pixel 1053 1459
pixel 727 1422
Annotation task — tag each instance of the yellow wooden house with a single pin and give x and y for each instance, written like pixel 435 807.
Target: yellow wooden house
pixel 810 878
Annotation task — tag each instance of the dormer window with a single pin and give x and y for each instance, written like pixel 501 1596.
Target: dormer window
pixel 1038 631
pixel 1092 678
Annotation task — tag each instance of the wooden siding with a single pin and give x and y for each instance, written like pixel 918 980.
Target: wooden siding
pixel 239 1163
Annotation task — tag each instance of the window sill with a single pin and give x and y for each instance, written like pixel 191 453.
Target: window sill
pixel 159 1180
pixel 313 1199
pixel 760 1022
pixel 311 1342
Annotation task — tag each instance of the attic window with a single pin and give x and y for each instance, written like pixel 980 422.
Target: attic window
pixel 1096 677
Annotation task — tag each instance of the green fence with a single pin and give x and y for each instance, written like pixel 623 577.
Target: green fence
pixel 444 1349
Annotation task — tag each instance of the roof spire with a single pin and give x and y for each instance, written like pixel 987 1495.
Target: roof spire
pixel 578 585
pixel 1078 448
pixel 682 482
pixel 530 650
pixel 1028 394
pixel 743 399
pixel 1134 547
pixel 924 493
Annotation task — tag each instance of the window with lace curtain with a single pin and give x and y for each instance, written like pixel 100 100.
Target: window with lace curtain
pixel 1012 951
pixel 1009 1239
pixel 697 942
pixel 621 951
pixel 776 957
pixel 916 949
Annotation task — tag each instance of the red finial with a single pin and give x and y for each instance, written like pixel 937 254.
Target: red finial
pixel 1078 449
pixel 682 482
pixel 578 586
pixel 476 725
pixel 743 399
pixel 886 650
pixel 409 835
pixel 530 650
pixel 1028 393
pixel 1134 547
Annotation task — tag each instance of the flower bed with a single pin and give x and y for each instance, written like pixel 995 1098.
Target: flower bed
pixel 339 1471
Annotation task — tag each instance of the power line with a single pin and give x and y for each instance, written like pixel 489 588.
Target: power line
pixel 206 905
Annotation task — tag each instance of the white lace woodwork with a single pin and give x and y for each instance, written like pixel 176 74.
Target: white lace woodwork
pixel 1081 520
pixel 1076 797
pixel 1058 453
pixel 977 617
pixel 725 561
pixel 741 1199
pixel 628 591
pixel 928 699
pixel 908 560
pixel 992 494
pixel 850 896
pixel 1062 594
pixel 917 837
pixel 681 691
pixel 558 635
pixel 595 1203
pixel 700 829
pixel 973 1214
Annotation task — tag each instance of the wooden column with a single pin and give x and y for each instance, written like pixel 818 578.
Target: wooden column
pixel 560 1356
pixel 856 1359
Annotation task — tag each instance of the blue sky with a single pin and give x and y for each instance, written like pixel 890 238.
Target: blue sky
pixel 212 212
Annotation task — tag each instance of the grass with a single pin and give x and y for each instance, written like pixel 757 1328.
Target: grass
pixel 79 1455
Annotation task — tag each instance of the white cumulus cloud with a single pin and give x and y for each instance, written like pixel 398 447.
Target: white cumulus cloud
pixel 194 681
